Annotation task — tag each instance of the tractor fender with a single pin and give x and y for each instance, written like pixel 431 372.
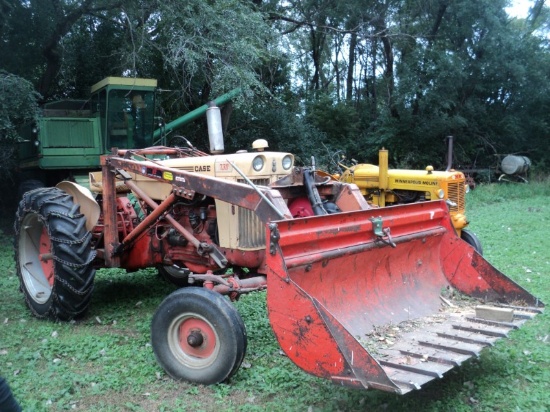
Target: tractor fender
pixel 83 197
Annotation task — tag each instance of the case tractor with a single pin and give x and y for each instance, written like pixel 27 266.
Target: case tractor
pixel 383 186
pixel 338 272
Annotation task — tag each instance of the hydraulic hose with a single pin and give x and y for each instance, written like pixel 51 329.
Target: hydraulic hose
pixel 313 193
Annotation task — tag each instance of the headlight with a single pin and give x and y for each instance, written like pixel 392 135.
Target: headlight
pixel 258 163
pixel 467 188
pixel 441 193
pixel 287 162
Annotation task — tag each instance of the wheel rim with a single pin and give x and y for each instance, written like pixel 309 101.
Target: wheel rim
pixel 35 259
pixel 193 341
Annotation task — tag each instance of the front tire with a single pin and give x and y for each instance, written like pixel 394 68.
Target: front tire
pixel 53 255
pixel 472 239
pixel 198 336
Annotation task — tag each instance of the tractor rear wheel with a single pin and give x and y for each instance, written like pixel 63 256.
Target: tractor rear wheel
pixel 198 336
pixel 28 185
pixel 53 255
pixel 472 240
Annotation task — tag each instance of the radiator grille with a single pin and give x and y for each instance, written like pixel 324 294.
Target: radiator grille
pixel 251 228
pixel 457 193
pixel 366 179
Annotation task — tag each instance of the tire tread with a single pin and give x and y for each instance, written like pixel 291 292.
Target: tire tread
pixel 72 250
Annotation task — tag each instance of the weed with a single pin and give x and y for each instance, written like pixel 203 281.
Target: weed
pixel 104 362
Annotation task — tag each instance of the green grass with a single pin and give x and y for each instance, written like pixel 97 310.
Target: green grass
pixel 105 361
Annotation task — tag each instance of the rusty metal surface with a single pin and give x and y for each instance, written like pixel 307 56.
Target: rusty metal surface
pixel 341 284
pixel 438 343
pixel 232 192
pixel 161 150
pixel 109 216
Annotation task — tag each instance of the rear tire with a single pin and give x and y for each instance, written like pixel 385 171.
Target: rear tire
pixel 198 336
pixel 53 255
pixel 28 185
pixel 472 240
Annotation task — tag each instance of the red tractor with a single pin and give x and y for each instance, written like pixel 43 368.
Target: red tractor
pixel 335 268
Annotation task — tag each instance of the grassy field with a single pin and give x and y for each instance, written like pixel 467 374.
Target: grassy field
pixel 104 362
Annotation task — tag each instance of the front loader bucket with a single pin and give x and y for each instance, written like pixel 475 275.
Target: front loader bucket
pixel 385 298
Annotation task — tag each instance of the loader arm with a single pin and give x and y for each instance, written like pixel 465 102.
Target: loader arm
pixel 269 205
pixel 186 184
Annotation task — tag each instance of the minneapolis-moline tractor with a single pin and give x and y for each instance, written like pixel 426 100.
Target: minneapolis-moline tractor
pixel 336 270
pixel 383 186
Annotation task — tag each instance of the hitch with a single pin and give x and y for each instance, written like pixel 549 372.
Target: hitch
pixel 381 232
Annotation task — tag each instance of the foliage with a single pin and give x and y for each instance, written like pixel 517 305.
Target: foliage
pixel 358 75
pixel 18 104
pixel 284 130
pixel 420 71
pixel 105 361
pixel 194 49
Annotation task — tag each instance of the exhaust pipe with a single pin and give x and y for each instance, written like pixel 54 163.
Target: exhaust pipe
pixel 215 129
pixel 382 175
pixel 449 153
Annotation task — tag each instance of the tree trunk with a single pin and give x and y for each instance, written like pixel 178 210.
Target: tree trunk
pixel 387 48
pixel 351 65
pixel 66 18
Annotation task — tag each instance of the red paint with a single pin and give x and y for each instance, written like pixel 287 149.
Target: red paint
pixel 195 326
pixel 300 207
pixel 332 280
pixel 45 254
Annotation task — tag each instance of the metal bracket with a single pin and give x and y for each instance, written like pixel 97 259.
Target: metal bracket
pixel 257 190
pixel 204 248
pixel 274 238
pixel 380 232
pixel 124 174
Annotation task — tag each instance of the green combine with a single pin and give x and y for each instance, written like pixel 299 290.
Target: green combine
pixel 71 135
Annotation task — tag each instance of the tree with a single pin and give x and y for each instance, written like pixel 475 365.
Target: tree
pixel 208 48
pixel 358 75
pixel 18 105
pixel 42 27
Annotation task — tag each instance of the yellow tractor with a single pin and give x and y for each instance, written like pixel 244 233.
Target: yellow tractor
pixel 383 186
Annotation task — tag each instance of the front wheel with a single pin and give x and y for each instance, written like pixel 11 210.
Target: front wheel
pixel 198 336
pixel 472 240
pixel 53 255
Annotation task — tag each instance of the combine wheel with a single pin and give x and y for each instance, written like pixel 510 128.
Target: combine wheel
pixel 175 275
pixel 472 240
pixel 53 255
pixel 198 336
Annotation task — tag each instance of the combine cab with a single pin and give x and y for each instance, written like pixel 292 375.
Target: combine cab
pixel 71 135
